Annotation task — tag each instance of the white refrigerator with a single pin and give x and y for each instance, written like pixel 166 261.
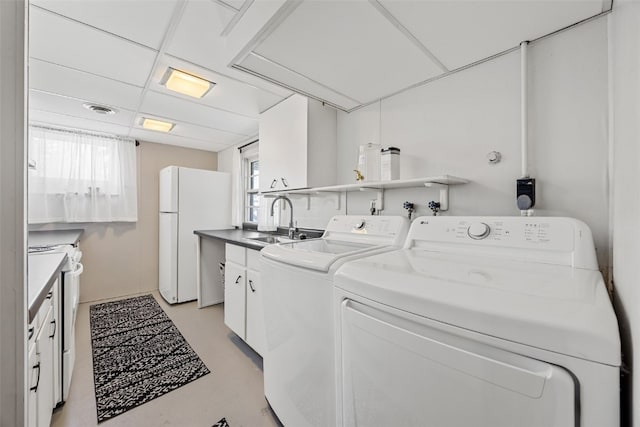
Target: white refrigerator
pixel 190 199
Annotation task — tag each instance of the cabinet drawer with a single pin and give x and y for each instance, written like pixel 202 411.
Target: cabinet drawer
pixel 235 253
pixel 253 259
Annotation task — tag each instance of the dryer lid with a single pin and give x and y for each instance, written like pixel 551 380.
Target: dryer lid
pixel 556 308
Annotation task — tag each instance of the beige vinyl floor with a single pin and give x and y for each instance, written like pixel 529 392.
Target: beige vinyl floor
pixel 233 389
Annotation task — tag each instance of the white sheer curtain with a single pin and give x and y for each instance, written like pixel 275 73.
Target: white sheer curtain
pixel 81 177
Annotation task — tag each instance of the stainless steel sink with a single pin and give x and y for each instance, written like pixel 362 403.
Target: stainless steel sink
pixel 267 239
pixel 277 239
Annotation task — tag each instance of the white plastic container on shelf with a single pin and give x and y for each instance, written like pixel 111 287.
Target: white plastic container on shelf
pixel 390 164
pixel 369 161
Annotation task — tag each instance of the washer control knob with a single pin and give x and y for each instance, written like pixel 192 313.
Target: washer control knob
pixel 478 230
pixel 359 225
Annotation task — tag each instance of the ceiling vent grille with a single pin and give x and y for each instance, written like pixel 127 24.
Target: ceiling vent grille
pixel 99 109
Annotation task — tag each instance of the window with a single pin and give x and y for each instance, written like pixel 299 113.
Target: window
pixel 252 187
pixel 77 176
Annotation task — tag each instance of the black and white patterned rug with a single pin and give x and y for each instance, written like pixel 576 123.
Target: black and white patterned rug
pixel 222 423
pixel 138 355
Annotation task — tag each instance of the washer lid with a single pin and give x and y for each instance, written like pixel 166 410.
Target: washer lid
pixel 557 308
pixel 315 254
pixel 345 235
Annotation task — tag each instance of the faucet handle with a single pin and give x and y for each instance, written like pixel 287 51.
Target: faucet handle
pixel 292 230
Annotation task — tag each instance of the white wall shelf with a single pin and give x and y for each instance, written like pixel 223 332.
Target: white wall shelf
pixel 375 185
pixel 441 182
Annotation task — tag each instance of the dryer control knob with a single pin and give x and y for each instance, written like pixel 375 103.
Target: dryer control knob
pixel 359 225
pixel 478 230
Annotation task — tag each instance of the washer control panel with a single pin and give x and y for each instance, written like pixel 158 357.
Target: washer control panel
pixel 360 225
pixel 478 230
pixel 377 225
pixel 373 230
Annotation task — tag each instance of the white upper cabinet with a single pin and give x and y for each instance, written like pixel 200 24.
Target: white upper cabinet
pixel 351 53
pixel 297 145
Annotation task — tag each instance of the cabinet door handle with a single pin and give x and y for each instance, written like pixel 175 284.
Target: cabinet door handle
pixel 251 286
pixel 284 182
pixel 55 328
pixel 273 183
pixel 238 279
pixel 50 295
pixel 30 332
pixel 35 387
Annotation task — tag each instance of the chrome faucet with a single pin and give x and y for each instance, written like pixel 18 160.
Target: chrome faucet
pixel 292 229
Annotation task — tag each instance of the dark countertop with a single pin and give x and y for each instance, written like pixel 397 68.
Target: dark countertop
pixel 244 237
pixel 43 270
pixel 54 237
pixel 237 237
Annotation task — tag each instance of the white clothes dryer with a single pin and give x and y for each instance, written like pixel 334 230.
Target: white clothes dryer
pixel 297 280
pixel 484 322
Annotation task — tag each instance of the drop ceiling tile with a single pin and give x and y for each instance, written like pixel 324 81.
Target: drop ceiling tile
pixel 180 141
pixel 171 107
pixel 61 41
pixel 459 33
pixel 237 4
pixel 73 108
pixel 349 47
pixel 56 79
pixel 197 40
pixel 192 131
pixel 228 94
pixel 207 134
pixel 138 20
pixel 302 84
pixel 197 36
pixel 61 120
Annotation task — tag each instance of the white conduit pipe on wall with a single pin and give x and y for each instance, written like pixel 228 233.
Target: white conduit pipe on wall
pixel 524 135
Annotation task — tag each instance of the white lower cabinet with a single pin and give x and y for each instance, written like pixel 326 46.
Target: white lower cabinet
pixel 44 362
pixel 243 312
pixel 56 346
pixel 234 298
pixel 255 336
pixel 33 379
pixel 44 383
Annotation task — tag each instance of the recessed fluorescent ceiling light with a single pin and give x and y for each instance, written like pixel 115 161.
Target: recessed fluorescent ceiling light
pixel 159 125
pixel 187 84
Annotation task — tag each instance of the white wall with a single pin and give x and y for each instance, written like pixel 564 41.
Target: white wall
pixel 625 67
pixel 448 126
pixel 225 159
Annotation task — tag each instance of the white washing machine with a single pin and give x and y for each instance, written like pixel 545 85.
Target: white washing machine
pixel 297 280
pixel 483 322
